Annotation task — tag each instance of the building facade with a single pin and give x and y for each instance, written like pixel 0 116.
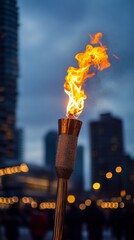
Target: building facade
pixel 50 148
pixel 129 162
pixel 8 77
pixel 107 154
pixel 77 178
pixel 19 147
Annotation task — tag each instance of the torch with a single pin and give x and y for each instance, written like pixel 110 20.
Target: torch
pixel 69 128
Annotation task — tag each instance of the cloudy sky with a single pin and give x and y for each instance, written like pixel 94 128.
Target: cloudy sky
pixel 50 34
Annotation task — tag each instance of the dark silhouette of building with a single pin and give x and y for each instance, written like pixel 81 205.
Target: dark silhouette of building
pixel 50 142
pixel 77 178
pixel 19 144
pixel 107 154
pixel 129 162
pixel 8 77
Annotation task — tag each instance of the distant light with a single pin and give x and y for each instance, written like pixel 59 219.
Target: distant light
pixel 9 170
pixel 24 167
pixel 14 169
pixel 119 199
pixel 122 205
pixel 1 172
pixel 98 202
pixel 123 193
pixel 25 200
pixel 82 206
pixel 96 186
pixel 31 200
pixel 118 169
pixel 34 204
pixel 47 205
pixel 53 205
pixel 71 198
pixel 1 199
pixel 109 175
pixel 9 201
pixel 109 204
pixel 116 205
pixel 128 197
pixel 42 205
pixel 15 199
pixel 88 202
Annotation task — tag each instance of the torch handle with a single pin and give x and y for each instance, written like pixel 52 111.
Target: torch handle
pixel 60 208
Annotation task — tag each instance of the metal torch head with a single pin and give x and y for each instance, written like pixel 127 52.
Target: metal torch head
pixel 67 144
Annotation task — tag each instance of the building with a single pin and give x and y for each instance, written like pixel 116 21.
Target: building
pixel 19 144
pixel 50 148
pixel 129 168
pixel 8 77
pixel 77 177
pixel 107 154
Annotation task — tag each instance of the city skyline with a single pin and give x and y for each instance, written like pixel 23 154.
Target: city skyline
pixel 50 36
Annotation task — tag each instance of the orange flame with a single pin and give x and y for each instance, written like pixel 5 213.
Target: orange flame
pixel 95 57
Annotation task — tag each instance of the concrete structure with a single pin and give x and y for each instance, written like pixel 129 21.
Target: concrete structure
pixel 129 169
pixel 8 77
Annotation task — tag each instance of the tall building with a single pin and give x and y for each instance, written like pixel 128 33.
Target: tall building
pixel 77 177
pixel 19 144
pixel 8 77
pixel 129 161
pixel 107 154
pixel 50 148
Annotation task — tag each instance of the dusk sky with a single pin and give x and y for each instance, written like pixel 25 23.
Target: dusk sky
pixel 51 33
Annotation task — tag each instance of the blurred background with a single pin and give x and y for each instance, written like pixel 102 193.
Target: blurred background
pixel 38 42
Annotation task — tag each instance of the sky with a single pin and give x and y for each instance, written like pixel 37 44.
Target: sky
pixel 51 33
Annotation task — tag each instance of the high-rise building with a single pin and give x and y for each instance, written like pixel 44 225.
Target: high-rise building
pixel 8 77
pixel 77 177
pixel 129 162
pixel 107 154
pixel 19 144
pixel 50 142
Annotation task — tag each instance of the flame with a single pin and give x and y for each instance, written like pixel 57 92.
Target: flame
pixel 93 56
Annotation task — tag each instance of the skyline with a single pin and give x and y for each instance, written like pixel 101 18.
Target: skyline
pixel 50 36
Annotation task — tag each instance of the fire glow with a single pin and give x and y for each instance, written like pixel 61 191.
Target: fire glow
pixel 94 57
